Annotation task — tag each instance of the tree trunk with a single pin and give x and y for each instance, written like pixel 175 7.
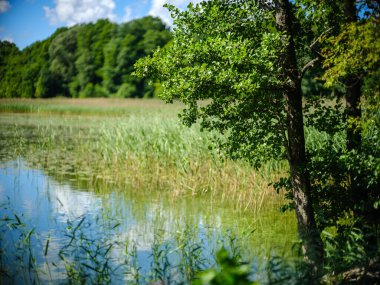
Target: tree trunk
pixel 308 232
pixel 353 86
pixel 353 111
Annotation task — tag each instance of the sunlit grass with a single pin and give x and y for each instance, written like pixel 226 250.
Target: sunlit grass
pixel 98 106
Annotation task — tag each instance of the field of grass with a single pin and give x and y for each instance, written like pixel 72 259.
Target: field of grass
pixel 96 106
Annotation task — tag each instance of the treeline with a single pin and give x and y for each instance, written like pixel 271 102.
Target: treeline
pixel 87 60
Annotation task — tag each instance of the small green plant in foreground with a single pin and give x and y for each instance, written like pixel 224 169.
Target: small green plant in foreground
pixel 231 272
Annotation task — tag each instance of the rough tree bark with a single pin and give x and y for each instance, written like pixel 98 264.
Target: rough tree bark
pixel 308 232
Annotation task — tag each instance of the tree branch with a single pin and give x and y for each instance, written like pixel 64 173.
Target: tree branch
pixel 308 65
pixel 312 46
pixel 319 57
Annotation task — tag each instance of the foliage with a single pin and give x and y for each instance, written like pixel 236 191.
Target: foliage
pixel 346 180
pixel 231 272
pixel 226 75
pixel 345 246
pixel 355 50
pixel 88 60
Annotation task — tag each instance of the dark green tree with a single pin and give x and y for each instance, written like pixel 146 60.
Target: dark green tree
pixel 141 37
pixel 238 66
pixel 345 177
pixel 9 54
pixel 88 60
pixel 61 64
pixel 243 61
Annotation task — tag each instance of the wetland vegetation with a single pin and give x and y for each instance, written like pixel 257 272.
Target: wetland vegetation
pixel 132 179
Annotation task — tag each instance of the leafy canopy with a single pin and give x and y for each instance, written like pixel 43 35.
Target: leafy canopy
pixel 222 63
pixel 356 50
pixel 87 60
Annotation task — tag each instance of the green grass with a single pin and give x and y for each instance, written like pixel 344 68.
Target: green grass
pixel 89 107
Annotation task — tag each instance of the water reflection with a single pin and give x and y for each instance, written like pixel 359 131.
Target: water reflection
pixel 50 208
pixel 139 220
pixel 40 198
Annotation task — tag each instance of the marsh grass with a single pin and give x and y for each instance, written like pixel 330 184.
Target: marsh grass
pixel 145 152
pixel 16 250
pixel 146 149
pixel 88 254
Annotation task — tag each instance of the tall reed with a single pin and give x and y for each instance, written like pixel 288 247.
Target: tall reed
pixel 147 151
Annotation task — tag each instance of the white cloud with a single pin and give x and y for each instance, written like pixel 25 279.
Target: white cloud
pixel 8 39
pixel 128 14
pixel 73 12
pixel 4 6
pixel 158 10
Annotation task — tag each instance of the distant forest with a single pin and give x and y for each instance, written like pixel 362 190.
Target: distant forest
pixel 87 60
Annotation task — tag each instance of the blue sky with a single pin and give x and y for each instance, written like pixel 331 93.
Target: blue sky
pixel 26 21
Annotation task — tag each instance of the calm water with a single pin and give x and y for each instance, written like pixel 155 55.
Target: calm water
pixel 119 231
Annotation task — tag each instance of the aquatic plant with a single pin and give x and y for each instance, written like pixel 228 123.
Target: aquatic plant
pixel 92 252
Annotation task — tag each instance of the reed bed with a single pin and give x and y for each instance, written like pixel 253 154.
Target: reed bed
pixel 146 151
pixel 135 144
